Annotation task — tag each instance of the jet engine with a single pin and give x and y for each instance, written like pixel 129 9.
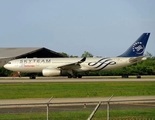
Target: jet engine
pixel 51 72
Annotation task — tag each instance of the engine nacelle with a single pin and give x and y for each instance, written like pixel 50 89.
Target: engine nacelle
pixel 51 72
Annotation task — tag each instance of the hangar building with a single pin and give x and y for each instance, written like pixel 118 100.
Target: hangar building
pixel 7 54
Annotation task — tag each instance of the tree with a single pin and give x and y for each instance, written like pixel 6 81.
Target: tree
pixel 86 54
pixel 4 72
pixel 148 55
pixel 71 56
pixel 64 54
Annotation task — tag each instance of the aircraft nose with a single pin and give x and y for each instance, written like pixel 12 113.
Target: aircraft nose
pixel 7 66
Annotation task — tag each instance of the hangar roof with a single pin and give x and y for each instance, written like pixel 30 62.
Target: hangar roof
pixel 27 52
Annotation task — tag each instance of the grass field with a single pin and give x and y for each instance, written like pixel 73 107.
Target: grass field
pixel 147 114
pixel 70 90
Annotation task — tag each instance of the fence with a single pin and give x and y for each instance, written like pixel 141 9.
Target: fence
pixel 106 109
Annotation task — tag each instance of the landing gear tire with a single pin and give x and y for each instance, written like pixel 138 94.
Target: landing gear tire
pixel 79 76
pixel 32 77
pixel 74 76
pixel 69 76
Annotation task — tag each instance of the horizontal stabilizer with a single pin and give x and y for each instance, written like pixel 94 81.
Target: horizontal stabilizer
pixel 136 59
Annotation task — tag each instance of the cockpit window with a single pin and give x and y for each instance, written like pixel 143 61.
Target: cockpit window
pixel 9 62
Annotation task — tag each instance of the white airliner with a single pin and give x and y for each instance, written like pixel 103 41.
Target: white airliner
pixel 72 66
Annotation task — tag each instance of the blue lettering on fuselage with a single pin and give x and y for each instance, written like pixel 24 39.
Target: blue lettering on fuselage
pixel 102 63
pixel 35 61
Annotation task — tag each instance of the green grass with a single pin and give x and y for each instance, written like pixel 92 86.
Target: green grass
pixel 78 115
pixel 83 115
pixel 70 90
pixel 126 114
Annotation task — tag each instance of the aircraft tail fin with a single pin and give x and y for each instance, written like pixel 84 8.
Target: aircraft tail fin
pixel 138 47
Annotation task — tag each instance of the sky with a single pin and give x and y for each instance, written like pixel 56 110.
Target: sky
pixel 101 27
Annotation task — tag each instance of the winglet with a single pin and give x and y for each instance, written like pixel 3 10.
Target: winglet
pixel 138 47
pixel 82 60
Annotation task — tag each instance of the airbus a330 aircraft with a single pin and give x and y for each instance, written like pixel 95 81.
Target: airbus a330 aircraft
pixel 72 66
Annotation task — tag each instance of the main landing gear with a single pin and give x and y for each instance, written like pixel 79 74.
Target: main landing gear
pixel 32 77
pixel 74 76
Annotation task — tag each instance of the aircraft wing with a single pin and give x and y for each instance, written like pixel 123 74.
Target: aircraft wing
pixel 74 65
pixel 136 59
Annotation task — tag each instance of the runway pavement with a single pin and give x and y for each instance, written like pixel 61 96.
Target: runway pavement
pixel 65 79
pixel 59 101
